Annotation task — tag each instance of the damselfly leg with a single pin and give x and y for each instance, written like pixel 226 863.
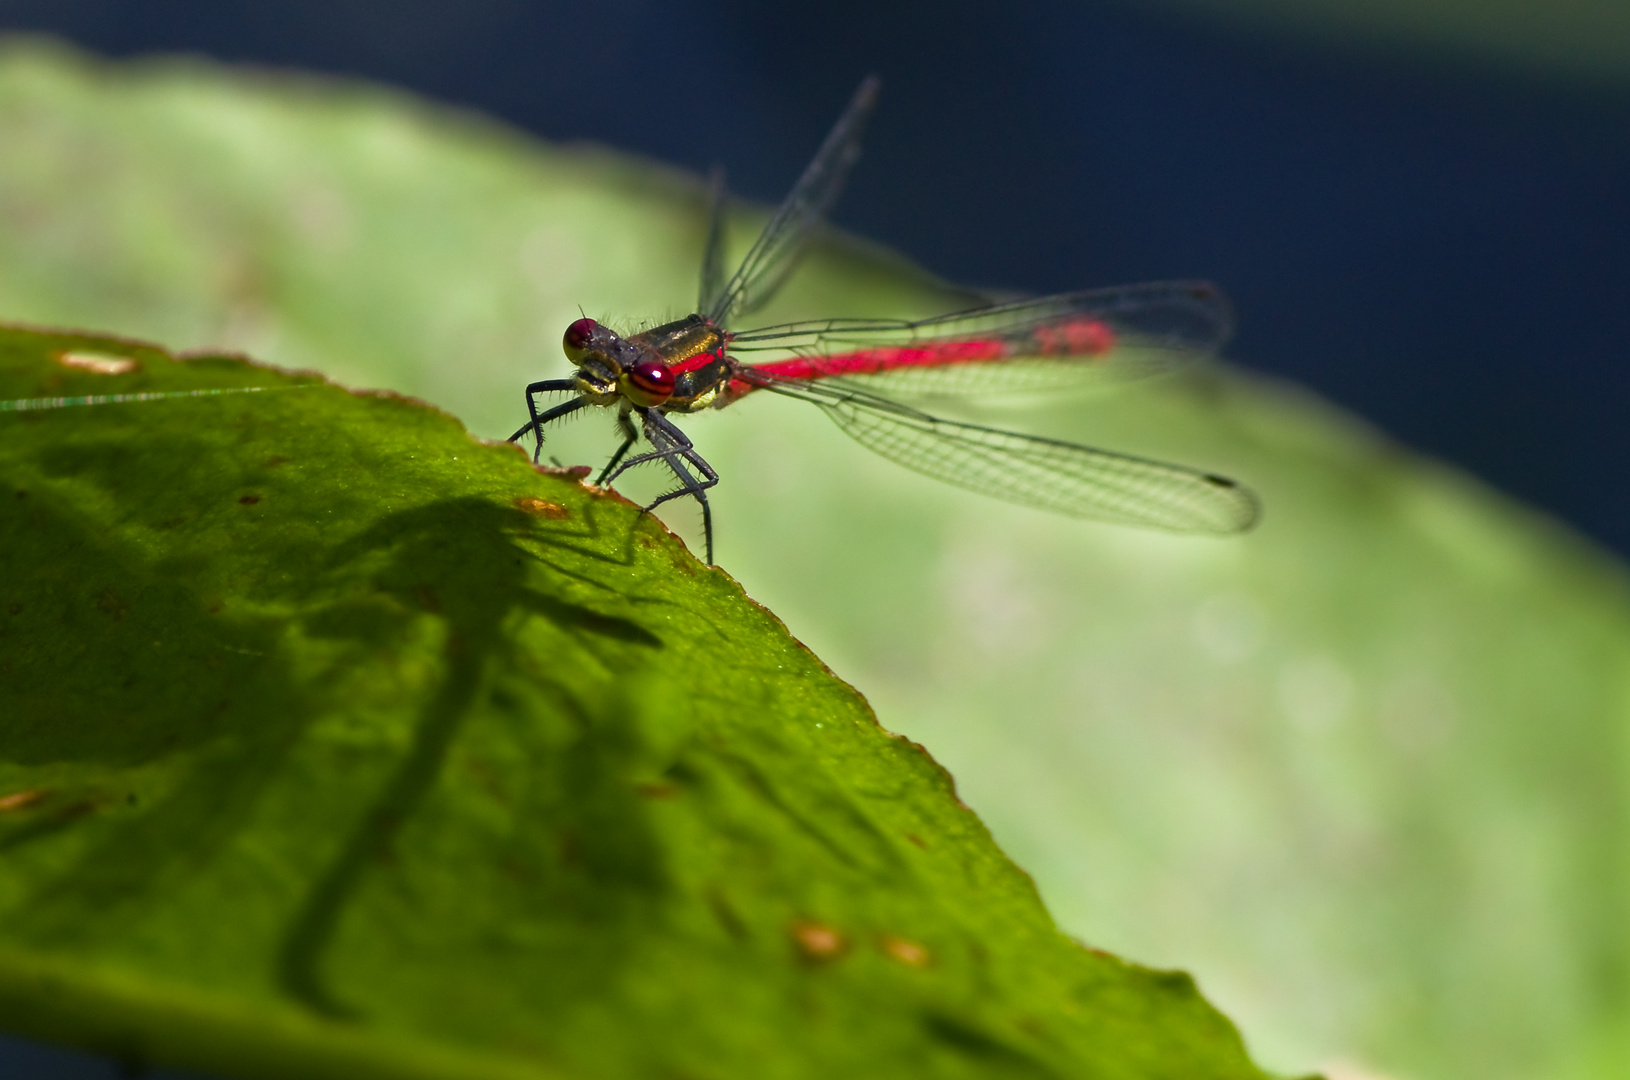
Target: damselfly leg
pixel 535 425
pixel 672 447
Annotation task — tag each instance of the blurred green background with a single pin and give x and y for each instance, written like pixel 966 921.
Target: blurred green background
pixel 1584 40
pixel 1362 772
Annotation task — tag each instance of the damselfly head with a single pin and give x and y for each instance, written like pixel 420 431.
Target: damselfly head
pixel 603 359
pixel 599 348
pixel 579 339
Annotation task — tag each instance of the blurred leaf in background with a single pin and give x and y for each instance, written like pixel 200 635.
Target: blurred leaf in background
pixel 1361 771
pixel 1575 39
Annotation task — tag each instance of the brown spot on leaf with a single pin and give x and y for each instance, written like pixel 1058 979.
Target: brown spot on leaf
pixel 249 500
pixel 78 809
pixel 515 870
pixel 657 790
pixel 726 914
pixel 489 778
pixel 98 363
pixel 110 603
pixel 18 800
pixel 907 952
pixel 915 839
pixel 817 941
pixel 542 508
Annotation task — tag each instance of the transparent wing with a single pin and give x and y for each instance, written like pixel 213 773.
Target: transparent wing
pixel 712 285
pixel 1054 342
pixel 1046 473
pixel 776 251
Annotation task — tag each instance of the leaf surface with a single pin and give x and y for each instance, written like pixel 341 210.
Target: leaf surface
pixel 338 743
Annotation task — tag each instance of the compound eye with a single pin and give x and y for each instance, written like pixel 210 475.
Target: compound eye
pixel 648 383
pixel 578 336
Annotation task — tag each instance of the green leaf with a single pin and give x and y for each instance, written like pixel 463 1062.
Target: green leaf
pixel 339 743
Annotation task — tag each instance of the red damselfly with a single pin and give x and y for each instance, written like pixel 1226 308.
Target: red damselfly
pixel 845 365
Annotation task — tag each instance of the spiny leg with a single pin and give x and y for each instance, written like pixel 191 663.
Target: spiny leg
pixel 676 451
pixel 696 489
pixel 547 386
pixel 667 441
pixel 629 435
pixel 553 414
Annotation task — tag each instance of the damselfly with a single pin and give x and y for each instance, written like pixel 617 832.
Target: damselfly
pixel 842 365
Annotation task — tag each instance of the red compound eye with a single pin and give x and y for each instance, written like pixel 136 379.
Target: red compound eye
pixel 578 336
pixel 648 383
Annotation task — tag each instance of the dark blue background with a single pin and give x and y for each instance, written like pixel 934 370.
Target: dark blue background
pixel 1437 245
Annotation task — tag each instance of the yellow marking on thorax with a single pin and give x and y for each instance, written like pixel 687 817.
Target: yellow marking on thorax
pixel 679 341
